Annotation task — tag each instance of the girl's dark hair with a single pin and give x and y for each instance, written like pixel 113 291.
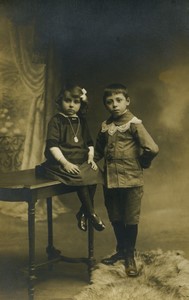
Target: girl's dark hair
pixel 115 88
pixel 73 88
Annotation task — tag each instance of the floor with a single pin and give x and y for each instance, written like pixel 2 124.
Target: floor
pixel 161 226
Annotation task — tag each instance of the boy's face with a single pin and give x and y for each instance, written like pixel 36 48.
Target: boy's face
pixel 116 104
pixel 71 103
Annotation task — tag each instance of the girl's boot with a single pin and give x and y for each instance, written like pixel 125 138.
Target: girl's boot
pixel 131 236
pixel 82 213
pixel 119 230
pixel 82 218
pixel 86 200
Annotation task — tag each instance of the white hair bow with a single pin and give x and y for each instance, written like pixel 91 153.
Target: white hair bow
pixel 84 95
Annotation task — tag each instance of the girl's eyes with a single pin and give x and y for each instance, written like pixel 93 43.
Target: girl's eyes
pixel 66 100
pixel 75 101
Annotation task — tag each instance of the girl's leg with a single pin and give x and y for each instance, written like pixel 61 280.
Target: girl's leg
pixel 92 190
pixel 85 197
pixel 82 213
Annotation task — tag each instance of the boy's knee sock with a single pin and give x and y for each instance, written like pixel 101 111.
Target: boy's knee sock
pixel 85 198
pixel 119 230
pixel 130 238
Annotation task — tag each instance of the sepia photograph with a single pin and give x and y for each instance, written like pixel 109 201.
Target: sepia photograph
pixel 94 149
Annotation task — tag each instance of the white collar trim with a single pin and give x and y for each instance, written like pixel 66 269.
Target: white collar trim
pixel 112 128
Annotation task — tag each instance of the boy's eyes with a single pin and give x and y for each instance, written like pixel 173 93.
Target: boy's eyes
pixel 110 101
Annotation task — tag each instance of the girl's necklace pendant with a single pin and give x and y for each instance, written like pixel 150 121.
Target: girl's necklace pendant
pixel 76 140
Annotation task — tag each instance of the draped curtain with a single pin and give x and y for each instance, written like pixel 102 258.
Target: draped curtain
pixel 34 77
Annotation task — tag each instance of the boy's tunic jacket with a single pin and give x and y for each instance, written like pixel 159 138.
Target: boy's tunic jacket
pixel 127 148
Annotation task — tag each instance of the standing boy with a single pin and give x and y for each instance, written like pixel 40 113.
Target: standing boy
pixel 127 148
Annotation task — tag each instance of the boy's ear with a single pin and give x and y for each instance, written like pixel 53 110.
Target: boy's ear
pixel 128 100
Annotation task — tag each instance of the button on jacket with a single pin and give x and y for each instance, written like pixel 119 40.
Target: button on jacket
pixel 127 148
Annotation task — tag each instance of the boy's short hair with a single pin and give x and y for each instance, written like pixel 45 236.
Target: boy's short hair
pixel 115 88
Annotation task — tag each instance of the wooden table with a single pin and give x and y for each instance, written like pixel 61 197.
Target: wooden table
pixel 25 186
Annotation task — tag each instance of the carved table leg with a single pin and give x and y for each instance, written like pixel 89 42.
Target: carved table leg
pixel 91 259
pixel 31 234
pixel 50 225
pixel 51 251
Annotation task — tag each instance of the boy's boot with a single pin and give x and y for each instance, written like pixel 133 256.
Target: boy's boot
pixel 130 264
pixel 119 230
pixel 85 198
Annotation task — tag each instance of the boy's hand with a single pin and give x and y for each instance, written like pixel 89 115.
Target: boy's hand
pixel 71 168
pixel 93 164
pixel 145 159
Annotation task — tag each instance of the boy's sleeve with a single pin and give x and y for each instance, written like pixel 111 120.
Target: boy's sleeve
pixel 87 136
pixel 149 149
pixel 99 146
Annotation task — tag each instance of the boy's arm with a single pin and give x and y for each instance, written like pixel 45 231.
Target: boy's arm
pixel 86 133
pixel 99 146
pixel 149 148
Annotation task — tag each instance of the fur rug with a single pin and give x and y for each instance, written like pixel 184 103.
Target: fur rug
pixel 162 276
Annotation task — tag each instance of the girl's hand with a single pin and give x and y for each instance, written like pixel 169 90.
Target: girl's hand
pixel 93 164
pixel 71 168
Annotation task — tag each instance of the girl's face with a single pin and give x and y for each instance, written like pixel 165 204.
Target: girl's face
pixel 71 103
pixel 116 104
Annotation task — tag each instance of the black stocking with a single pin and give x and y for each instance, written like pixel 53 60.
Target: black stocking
pixel 85 196
pixel 131 236
pixel 92 190
pixel 119 230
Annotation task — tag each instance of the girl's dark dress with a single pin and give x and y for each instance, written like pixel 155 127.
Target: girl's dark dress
pixel 60 134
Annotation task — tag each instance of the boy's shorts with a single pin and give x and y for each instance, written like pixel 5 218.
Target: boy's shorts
pixel 124 204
